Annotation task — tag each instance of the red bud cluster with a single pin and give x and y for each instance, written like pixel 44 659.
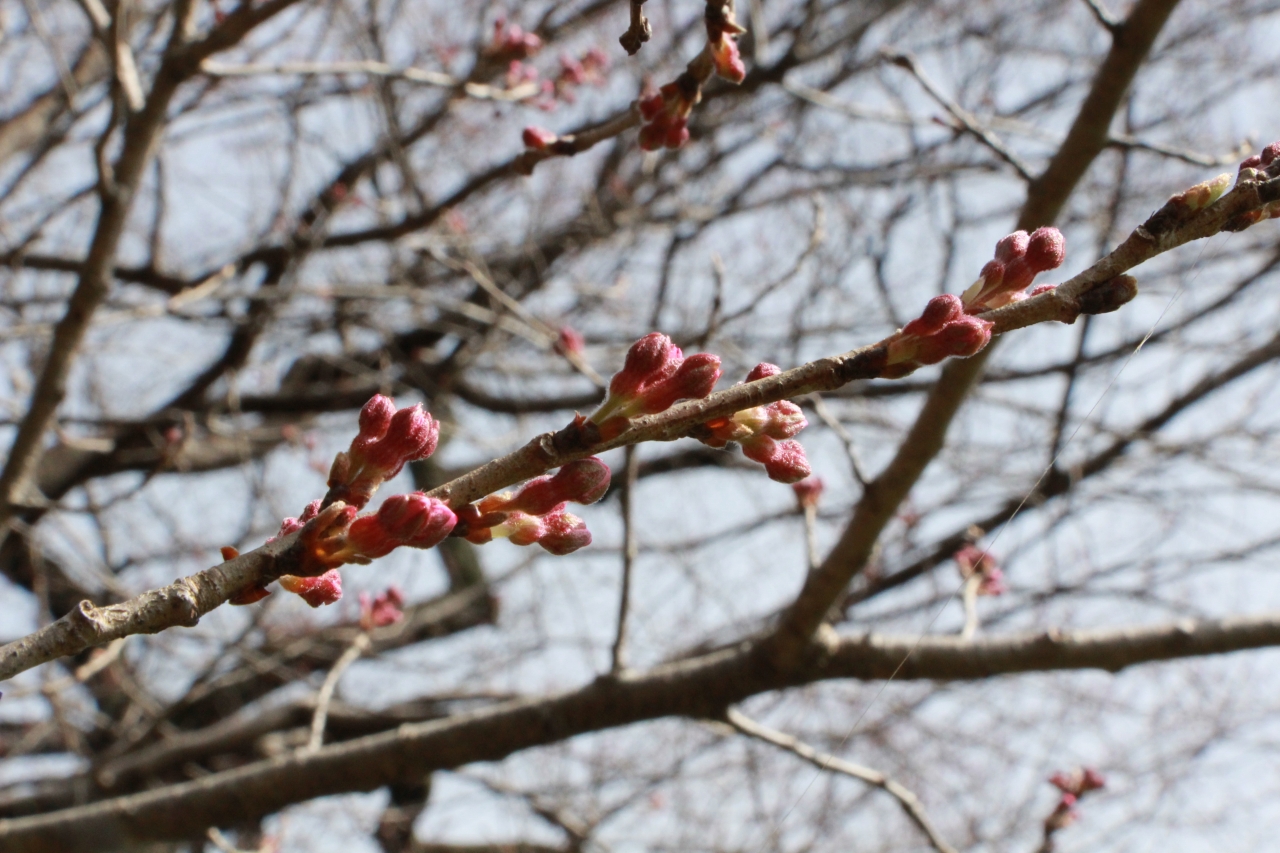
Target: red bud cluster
pixel 512 42
pixel 1073 786
pixel 1020 257
pixel 1260 167
pixel 386 609
pixel 942 330
pixel 387 440
pixel 973 561
pixel 666 113
pixel 536 511
pixel 764 433
pixel 722 33
pixel 654 376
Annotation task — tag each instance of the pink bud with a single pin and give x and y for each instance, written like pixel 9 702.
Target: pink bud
pixel 1011 247
pixel 1046 249
pixel 937 313
pixel 785 419
pixel 1041 288
pixel 789 464
pixel 325 589
pixel 763 369
pixel 375 417
pixel 727 60
pixel 521 529
pixel 1092 780
pixel 677 134
pixel 646 357
pixel 1062 781
pixel 564 534
pixel 808 491
pixel 1269 154
pixel 538 138
pixel 651 106
pixel 383 610
pixel 694 379
pixel 992 274
pixel 569 340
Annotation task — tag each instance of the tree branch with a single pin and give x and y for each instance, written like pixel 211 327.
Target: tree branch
pixel 699 687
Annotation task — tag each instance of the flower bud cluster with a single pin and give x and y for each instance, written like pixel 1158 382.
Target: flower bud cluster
pixel 942 330
pixel 1073 786
pixel 765 433
pixel 974 562
pixel 547 92
pixel 387 440
pixel 335 535
pixel 1020 257
pixel 722 33
pixel 1263 166
pixel 536 511
pixel 511 42
pixel 666 113
pixel 654 376
pixel 386 609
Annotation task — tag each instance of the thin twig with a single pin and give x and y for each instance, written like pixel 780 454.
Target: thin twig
pixel 1104 17
pixel 828 417
pixel 372 68
pixel 909 802
pixel 971 585
pixel 967 119
pixel 358 647
pixel 630 550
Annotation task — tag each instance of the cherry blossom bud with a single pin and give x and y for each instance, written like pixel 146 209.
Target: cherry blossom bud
pixel 1046 249
pixel 569 340
pixel 973 561
pixel 413 520
pixel 763 369
pixel 383 610
pixel 939 311
pixel 808 491
pixel 564 534
pixel 325 589
pixel 646 358
pixel 784 461
pixel 693 379
pixel 1092 780
pixel 785 420
pixel 963 337
pixel 538 138
pixel 583 481
pixel 728 60
pixel 1012 246
pixel 382 447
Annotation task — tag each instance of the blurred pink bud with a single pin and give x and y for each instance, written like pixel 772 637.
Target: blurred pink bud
pixel 538 138
pixel 569 340
pixel 1092 780
pixel 651 106
pixel 808 491
pixel 325 589
pixel 383 610
pixel 763 369
pixel 939 311
pixel 728 60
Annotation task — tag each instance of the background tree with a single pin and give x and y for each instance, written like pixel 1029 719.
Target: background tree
pixel 226 227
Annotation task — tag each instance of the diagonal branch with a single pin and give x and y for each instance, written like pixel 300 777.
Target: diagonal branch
pixel 906 798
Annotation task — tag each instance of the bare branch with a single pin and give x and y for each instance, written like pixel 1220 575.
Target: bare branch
pixel 909 802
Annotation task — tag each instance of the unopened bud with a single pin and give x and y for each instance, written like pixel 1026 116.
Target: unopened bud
pixel 583 481
pixel 808 491
pixel 325 589
pixel 538 138
pixel 694 379
pixel 939 311
pixel 785 420
pixel 564 534
pixel 762 370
